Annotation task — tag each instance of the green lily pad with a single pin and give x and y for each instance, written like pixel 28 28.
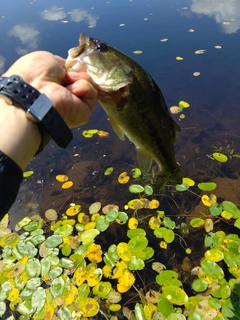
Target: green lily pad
pixel 88 236
pixel 176 316
pixel 136 173
pixel 232 208
pixel 108 171
pixel 167 278
pixel 53 241
pixel 182 187
pixel 33 267
pixel 122 216
pixel 137 244
pixel 199 285
pixel 102 289
pixel 111 215
pixel 64 314
pixel 102 224
pixel 215 209
pixel 148 190
pixel 136 263
pixel 165 306
pixel 38 299
pixel 169 223
pixel 215 255
pixel 55 273
pixel 207 186
pixel 175 295
pixel 136 188
pixel 212 269
pixel 136 232
pixel 57 286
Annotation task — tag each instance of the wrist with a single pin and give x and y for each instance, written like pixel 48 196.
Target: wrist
pixel 20 138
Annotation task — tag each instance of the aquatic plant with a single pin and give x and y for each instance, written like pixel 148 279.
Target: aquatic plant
pixel 58 266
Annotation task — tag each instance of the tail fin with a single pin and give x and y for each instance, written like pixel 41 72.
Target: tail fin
pixel 173 177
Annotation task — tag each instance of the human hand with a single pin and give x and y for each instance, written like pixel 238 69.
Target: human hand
pixel 72 93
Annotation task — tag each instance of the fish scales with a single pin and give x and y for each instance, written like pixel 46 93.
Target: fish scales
pixel 133 103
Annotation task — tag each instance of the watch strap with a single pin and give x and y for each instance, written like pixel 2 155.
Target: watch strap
pixel 39 108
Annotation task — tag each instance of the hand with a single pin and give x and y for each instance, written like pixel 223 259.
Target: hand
pixel 73 94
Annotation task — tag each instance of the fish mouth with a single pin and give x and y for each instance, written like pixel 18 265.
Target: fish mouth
pixel 76 55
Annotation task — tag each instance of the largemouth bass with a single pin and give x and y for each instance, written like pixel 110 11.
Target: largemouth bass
pixel 133 103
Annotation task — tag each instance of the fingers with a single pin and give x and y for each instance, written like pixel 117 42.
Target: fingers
pixel 84 89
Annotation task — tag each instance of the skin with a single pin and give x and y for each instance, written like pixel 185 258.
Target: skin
pixel 73 95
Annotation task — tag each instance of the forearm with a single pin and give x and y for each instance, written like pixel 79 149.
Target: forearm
pixel 19 137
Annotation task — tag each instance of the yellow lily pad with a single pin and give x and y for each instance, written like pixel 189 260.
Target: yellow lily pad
pixel 123 178
pixel 220 157
pixel 62 178
pixel 67 185
pixel 208 201
pixel 73 210
pixel 102 134
pixel 179 58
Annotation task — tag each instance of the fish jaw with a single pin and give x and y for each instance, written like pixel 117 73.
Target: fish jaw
pixel 106 71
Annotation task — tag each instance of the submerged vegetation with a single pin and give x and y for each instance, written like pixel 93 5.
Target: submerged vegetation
pixel 73 265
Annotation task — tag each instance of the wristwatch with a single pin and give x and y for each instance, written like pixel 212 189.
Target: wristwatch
pixel 39 109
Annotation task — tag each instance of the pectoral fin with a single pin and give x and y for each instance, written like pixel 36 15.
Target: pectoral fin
pixel 119 131
pixel 144 162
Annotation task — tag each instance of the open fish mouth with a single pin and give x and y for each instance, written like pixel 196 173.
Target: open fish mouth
pixel 74 61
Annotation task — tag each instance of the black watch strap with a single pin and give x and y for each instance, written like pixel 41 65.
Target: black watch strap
pixel 38 106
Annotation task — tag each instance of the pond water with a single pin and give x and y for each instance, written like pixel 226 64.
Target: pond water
pixel 211 120
pixel 163 30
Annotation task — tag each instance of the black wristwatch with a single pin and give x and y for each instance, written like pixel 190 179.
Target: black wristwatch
pixel 39 109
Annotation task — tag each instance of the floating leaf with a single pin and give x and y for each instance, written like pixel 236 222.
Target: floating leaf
pixel 197 222
pixel 215 255
pixel 208 201
pixel 108 171
pixel 201 51
pixel 136 188
pixel 175 295
pixel 208 225
pixel 164 40
pixel 174 110
pixel 137 244
pixel 212 269
pixel 73 210
pixel 123 178
pixel 67 185
pixel 132 223
pixel 207 186
pixel 148 190
pixel 179 58
pixel 189 181
pixel 136 204
pixel 95 207
pixel 196 74
pixel 191 30
pixel 182 187
pixel 51 214
pixel 110 207
pixel 220 157
pixel 183 104
pixel 199 285
pixel 136 173
pixel 28 174
pixel 215 209
pixel 53 241
pixel 102 134
pixel 62 178
pixel 137 52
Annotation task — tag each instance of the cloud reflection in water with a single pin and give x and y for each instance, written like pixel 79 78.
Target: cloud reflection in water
pixel 221 10
pixel 27 35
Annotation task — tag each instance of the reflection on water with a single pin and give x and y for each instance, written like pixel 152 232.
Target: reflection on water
pixel 28 35
pixel 225 12
pixel 77 15
pixel 53 14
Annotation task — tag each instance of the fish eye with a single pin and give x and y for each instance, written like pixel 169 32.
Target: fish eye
pixel 101 46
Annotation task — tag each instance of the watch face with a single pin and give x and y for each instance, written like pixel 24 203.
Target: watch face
pixel 6 98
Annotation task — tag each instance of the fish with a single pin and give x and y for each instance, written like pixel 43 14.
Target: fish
pixel 134 104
